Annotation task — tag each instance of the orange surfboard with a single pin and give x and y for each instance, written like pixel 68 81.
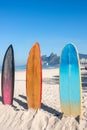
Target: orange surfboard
pixel 34 78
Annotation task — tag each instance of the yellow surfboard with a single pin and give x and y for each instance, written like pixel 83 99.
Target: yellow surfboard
pixel 34 78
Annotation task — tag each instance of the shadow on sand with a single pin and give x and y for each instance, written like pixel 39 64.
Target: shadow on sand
pixel 22 96
pixel 0 99
pixel 52 111
pixel 51 81
pixel 21 103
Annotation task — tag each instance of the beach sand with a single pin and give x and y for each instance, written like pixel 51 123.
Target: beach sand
pixel 49 117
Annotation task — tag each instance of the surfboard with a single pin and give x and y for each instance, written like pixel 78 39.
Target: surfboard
pixel 70 81
pixel 7 78
pixel 34 78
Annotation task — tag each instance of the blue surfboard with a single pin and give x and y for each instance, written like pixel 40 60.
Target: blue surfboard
pixel 70 81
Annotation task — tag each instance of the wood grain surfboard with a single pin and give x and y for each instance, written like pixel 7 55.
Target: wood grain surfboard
pixel 34 78
pixel 7 78
pixel 70 81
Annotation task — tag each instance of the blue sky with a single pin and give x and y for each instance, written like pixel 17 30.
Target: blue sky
pixel 52 23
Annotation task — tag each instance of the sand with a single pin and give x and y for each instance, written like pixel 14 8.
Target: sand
pixel 49 117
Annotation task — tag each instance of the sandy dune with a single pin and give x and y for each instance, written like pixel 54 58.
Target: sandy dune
pixel 49 117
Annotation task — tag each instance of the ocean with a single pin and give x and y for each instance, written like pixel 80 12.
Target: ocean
pixel 23 67
pixel 17 68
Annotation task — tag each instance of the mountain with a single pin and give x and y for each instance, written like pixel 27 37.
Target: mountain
pixel 53 59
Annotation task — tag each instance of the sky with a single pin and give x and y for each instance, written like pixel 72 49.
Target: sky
pixel 52 23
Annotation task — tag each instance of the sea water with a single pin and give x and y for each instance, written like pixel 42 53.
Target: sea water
pixel 0 68
pixel 23 67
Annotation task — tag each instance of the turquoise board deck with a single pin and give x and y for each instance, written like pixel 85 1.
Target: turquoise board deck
pixel 70 81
